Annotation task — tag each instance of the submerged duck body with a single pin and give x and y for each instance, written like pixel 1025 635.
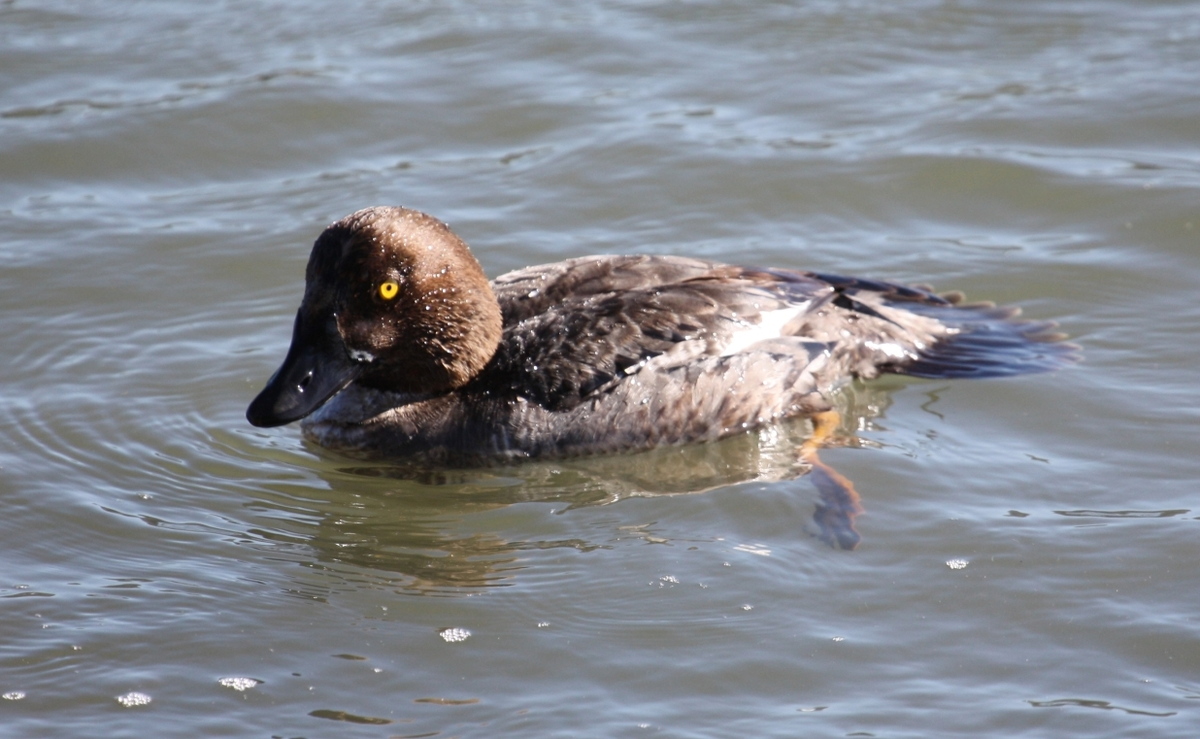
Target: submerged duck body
pixel 403 349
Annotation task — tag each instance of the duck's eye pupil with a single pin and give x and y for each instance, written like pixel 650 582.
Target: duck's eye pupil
pixel 388 290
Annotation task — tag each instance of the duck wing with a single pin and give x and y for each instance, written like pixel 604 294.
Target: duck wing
pixel 575 329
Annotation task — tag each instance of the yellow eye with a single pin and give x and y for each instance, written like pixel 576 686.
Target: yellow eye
pixel 388 290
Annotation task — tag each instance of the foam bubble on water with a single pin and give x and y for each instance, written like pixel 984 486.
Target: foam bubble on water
pixel 758 549
pixel 454 634
pixel 14 695
pixel 130 700
pixel 956 564
pixel 239 684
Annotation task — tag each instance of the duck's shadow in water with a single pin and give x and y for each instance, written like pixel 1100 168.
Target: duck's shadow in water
pixel 406 520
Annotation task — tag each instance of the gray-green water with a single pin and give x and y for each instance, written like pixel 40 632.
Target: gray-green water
pixel 164 168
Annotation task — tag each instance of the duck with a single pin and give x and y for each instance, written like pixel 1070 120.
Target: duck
pixel 403 349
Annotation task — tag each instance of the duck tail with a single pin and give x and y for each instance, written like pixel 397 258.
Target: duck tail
pixel 949 338
pixel 987 341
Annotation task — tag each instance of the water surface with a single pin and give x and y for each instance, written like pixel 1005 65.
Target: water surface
pixel 1027 560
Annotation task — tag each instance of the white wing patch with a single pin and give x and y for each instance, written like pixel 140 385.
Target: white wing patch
pixel 891 349
pixel 769 327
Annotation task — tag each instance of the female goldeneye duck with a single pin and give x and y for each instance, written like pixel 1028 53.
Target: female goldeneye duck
pixel 403 349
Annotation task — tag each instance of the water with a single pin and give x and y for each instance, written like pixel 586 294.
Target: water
pixel 166 167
